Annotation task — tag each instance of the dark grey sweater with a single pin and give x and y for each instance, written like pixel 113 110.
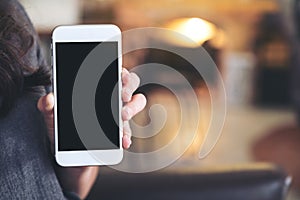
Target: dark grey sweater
pixel 26 170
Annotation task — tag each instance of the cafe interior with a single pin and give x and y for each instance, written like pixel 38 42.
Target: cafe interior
pixel 220 77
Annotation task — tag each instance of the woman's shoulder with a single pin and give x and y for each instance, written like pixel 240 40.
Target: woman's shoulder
pixel 25 161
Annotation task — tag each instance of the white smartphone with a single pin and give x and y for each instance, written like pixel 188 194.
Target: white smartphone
pixel 87 62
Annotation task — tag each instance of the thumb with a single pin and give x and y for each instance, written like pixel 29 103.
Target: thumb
pixel 45 105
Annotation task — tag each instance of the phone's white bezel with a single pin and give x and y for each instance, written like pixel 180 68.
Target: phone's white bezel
pixel 87 33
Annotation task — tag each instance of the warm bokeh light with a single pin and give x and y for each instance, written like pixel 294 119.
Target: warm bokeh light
pixel 195 30
pixel 219 41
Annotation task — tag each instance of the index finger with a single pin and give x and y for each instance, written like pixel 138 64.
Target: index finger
pixel 130 82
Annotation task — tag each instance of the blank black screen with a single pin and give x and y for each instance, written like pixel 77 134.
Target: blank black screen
pixel 69 57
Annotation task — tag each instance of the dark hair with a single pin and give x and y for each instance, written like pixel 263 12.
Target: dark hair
pixel 16 76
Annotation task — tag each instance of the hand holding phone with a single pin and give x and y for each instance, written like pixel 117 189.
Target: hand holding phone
pixel 83 178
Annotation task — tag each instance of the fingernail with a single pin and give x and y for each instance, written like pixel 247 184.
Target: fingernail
pixel 51 98
pixel 127 141
pixel 49 102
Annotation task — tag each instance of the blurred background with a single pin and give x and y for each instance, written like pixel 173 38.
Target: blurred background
pixel 252 42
